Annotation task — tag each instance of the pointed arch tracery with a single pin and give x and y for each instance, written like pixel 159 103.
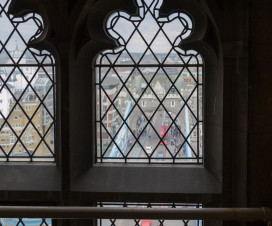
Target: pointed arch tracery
pixel 27 90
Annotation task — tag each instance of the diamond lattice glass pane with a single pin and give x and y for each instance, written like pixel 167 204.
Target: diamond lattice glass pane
pixel 161 46
pixel 149 27
pixel 122 57
pixel 25 222
pixel 49 136
pixel 149 90
pixel 149 58
pixel 6 28
pixel 137 154
pixel 148 222
pixel 27 90
pixel 107 143
pixel 43 150
pixel 140 48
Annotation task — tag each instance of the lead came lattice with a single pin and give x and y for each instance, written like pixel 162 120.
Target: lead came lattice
pixel 27 90
pixel 147 222
pixel 149 90
pixel 25 222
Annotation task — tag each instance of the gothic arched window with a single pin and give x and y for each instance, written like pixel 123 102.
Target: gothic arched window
pixel 153 88
pixel 137 83
pixel 27 90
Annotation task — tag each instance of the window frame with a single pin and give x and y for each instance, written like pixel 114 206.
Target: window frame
pixel 35 176
pixel 88 176
pixel 235 109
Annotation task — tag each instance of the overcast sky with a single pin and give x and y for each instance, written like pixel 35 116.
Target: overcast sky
pixel 149 28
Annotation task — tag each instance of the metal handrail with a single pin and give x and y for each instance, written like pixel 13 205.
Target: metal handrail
pixel 61 212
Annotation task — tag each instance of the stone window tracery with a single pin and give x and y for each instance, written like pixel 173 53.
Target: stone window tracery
pixel 27 86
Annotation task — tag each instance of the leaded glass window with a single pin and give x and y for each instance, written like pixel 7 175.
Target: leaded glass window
pixel 149 90
pixel 25 222
pixel 27 90
pixel 148 222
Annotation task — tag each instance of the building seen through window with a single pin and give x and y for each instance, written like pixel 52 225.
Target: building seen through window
pixel 148 222
pixel 25 222
pixel 27 91
pixel 149 90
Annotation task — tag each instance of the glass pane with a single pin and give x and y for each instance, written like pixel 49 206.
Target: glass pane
pixel 27 91
pixel 149 90
pixel 148 222
pixel 25 222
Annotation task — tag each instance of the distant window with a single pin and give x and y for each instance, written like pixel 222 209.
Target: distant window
pixel 12 138
pixel 31 97
pixel 143 103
